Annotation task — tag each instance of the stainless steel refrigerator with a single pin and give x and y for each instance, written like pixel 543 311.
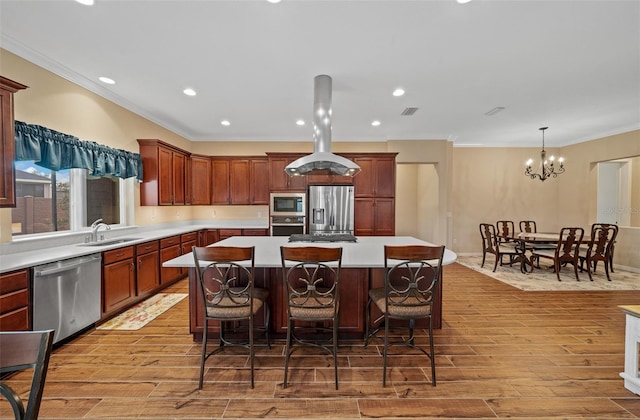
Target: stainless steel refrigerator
pixel 330 209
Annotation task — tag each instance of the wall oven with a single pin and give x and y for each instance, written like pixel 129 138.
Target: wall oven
pixel 288 204
pixel 287 225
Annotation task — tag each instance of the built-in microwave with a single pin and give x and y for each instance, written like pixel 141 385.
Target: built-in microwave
pixel 287 204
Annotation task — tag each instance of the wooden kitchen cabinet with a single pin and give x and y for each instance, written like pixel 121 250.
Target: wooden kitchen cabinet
pixel 170 248
pixel 7 142
pixel 187 242
pixel 147 267
pixel 239 181
pixel 377 177
pixel 374 216
pixel 164 175
pixel 278 178
pixel 207 237
pixel 259 184
pixel 220 170
pixel 255 232
pixel 118 279
pixel 227 233
pixel 15 298
pixel 200 180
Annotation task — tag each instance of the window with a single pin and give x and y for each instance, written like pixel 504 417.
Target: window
pixel 70 199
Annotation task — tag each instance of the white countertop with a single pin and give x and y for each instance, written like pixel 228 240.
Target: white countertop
pixel 34 253
pixel 368 251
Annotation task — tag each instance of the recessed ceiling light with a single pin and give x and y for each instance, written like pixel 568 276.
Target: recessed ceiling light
pixel 189 92
pixel 398 92
pixel 463 1
pixel 86 2
pixel 226 123
pixel 375 123
pixel 300 122
pixel 274 1
pixel 107 80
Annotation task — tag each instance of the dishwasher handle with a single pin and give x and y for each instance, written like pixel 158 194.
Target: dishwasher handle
pixel 62 267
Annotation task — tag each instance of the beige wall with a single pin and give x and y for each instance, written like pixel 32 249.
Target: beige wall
pixel 472 185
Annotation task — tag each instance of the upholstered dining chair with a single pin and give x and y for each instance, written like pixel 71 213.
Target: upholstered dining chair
pixel 505 229
pixel 22 350
pixel 567 251
pixel 311 277
pixel 412 276
pixel 228 293
pixel 492 245
pixel 599 248
pixel 528 226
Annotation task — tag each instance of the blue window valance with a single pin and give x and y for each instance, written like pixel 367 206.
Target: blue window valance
pixel 57 151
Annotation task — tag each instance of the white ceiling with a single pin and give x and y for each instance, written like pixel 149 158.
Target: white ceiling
pixel 571 65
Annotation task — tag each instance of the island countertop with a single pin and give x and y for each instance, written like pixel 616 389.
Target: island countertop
pixel 367 252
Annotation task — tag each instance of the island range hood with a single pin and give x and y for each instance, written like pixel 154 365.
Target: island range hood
pixel 322 159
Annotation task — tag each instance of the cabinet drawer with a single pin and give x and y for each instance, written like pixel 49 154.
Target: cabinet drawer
pixel 119 254
pixel 147 247
pixel 255 232
pixel 17 280
pixel 225 233
pixel 170 241
pixel 12 301
pixel 189 237
pixel 17 320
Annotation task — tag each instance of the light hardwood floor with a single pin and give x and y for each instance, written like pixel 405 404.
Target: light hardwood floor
pixel 502 353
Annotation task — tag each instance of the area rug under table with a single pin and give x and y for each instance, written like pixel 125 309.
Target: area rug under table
pixel 144 312
pixel 544 279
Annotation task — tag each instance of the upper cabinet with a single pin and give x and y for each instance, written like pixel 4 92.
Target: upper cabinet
pixel 7 142
pixel 278 178
pixel 199 178
pixel 377 177
pixel 240 180
pixel 164 174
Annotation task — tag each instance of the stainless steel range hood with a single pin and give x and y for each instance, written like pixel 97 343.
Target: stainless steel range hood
pixel 322 159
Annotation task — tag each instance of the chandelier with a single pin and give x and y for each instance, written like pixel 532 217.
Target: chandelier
pixel 547 168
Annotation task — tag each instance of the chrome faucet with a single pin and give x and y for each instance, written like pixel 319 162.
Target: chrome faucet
pixel 95 226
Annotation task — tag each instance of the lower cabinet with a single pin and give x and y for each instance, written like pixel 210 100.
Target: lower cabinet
pixel 147 267
pixel 169 249
pixel 14 301
pixel 118 279
pixel 374 217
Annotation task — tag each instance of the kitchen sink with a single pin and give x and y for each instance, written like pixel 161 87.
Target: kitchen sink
pixel 111 242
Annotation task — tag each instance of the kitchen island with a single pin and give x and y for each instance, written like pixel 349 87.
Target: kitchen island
pixel 362 269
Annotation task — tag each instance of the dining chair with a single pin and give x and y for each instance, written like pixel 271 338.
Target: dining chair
pixel 412 277
pixel 599 248
pixel 492 245
pixel 528 226
pixel 311 277
pixel 567 250
pixel 22 350
pixel 506 230
pixel 613 242
pixel 228 294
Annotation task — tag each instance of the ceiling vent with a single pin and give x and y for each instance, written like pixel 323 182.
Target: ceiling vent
pixel 409 111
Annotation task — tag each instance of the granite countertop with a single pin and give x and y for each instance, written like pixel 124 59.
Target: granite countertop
pixel 367 252
pixel 30 253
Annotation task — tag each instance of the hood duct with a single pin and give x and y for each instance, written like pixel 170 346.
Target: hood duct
pixel 322 159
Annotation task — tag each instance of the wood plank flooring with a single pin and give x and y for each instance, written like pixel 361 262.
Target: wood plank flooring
pixel 502 353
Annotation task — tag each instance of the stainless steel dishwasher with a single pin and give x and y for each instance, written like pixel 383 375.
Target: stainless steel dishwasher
pixel 66 295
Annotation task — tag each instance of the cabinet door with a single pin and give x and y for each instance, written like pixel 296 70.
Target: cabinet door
pixel 239 174
pixel 179 165
pixel 15 301
pixel 148 277
pixel 169 274
pixel 119 285
pixel 384 219
pixel 7 142
pixel 259 188
pixel 364 181
pixel 200 180
pixel 211 237
pixel 220 181
pixel 364 216
pixel 165 176
pixel 385 177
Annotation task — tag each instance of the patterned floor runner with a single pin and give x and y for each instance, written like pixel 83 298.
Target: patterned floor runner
pixel 144 312
pixel 544 279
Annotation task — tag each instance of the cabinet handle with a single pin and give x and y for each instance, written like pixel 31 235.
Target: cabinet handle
pixel 132 266
pixel 120 254
pixel 139 263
